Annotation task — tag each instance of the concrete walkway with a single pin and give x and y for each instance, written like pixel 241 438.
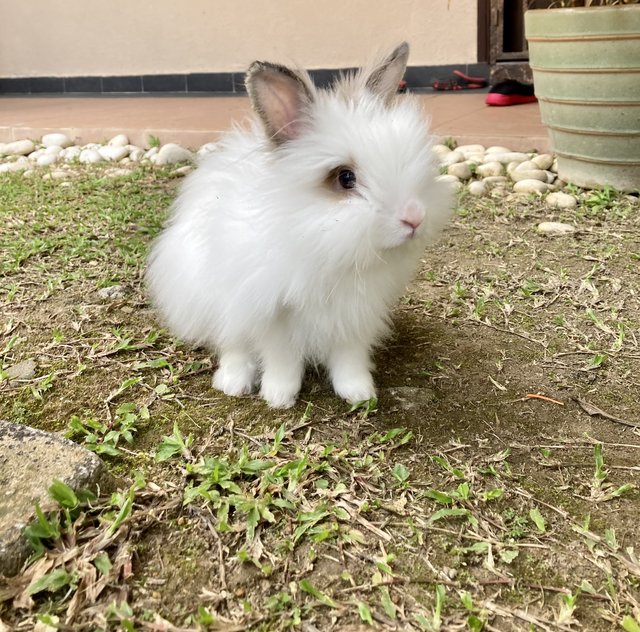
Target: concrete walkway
pixel 193 121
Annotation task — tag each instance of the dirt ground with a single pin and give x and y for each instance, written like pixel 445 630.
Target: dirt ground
pixel 494 484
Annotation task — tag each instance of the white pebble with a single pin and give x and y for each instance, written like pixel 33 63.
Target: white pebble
pixel 53 150
pixel 550 177
pixel 530 186
pixel 8 167
pixel 70 153
pixel 493 180
pixel 451 158
pixel 151 152
pixel 208 148
pixel 555 228
pixel 136 155
pixel 90 156
pixel 471 149
pixel 113 152
pixel 527 165
pixel 475 159
pixel 491 168
pixel 56 140
pixel 554 166
pixel 561 200
pixel 183 171
pixel 543 161
pixel 19 148
pixel 477 188
pixel 120 140
pixel 171 153
pixel 438 149
pixel 509 156
pixel 46 160
pixel 452 181
pixel 530 174
pixel 459 170
pixel 34 155
pixel 497 149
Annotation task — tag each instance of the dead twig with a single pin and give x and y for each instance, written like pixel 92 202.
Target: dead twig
pixel 594 411
pixel 544 398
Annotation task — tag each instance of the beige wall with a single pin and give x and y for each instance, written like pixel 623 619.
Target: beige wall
pixel 122 37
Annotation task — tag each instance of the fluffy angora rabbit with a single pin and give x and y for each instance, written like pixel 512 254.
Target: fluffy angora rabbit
pixel 291 242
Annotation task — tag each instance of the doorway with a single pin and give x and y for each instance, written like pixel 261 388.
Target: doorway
pixel 501 40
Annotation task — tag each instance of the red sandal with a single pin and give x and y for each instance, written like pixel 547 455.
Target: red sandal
pixel 469 83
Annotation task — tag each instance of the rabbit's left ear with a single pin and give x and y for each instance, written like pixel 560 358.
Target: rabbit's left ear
pixel 385 78
pixel 281 97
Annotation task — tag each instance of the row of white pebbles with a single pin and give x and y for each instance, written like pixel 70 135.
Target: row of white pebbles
pixel 500 168
pixel 58 149
pixel 483 171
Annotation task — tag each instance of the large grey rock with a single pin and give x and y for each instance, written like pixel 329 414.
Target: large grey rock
pixel 30 460
pixel 24 370
pixel 409 399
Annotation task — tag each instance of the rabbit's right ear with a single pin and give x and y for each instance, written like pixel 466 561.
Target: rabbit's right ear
pixel 280 97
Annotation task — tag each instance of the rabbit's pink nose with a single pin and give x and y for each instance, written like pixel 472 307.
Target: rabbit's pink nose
pixel 412 215
pixel 412 223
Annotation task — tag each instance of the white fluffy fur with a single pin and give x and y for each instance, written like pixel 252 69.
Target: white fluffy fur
pixel 265 265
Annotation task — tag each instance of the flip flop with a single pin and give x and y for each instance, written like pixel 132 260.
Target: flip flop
pixel 468 82
pixel 510 92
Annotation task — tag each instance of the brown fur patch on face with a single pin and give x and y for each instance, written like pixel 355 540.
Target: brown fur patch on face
pixel 332 181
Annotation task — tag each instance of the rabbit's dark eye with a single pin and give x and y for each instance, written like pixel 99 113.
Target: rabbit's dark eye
pixel 347 178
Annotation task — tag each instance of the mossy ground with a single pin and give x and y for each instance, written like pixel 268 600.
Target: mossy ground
pixel 489 511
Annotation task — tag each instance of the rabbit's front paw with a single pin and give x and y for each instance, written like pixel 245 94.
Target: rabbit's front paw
pixel 235 375
pixel 279 393
pixel 356 389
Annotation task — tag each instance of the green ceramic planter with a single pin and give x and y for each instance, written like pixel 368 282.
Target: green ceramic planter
pixel 586 72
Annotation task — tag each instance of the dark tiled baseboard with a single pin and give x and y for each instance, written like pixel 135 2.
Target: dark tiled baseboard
pixel 418 77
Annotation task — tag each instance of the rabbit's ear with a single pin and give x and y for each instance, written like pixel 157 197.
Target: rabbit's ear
pixel 281 97
pixel 385 77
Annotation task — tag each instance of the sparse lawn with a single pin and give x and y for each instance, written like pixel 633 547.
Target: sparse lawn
pixel 494 485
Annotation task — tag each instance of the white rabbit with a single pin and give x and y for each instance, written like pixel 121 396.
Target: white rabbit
pixel 291 242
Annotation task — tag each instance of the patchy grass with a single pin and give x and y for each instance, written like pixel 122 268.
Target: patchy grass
pixel 492 486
